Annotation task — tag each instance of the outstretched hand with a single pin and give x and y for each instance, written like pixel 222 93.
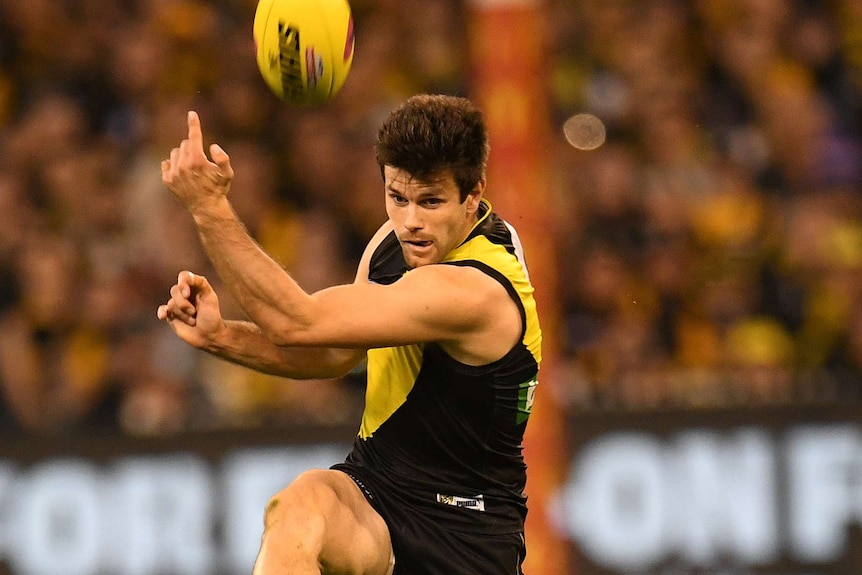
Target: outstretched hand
pixel 193 310
pixel 190 175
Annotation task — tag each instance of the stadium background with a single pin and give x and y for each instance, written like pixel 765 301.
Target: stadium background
pixel 700 274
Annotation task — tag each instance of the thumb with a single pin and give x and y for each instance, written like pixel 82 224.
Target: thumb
pixel 198 282
pixel 222 160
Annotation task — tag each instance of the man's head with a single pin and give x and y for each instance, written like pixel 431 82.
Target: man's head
pixel 432 152
pixel 430 135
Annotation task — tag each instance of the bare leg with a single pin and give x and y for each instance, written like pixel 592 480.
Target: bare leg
pixel 321 524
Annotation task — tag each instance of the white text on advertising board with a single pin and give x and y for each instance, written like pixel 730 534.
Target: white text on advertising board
pixel 704 497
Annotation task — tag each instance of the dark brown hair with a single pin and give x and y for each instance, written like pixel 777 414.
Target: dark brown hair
pixel 430 135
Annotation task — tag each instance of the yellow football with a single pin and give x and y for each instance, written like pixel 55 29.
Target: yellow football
pixel 304 47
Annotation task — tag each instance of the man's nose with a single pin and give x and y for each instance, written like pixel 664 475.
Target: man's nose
pixel 413 218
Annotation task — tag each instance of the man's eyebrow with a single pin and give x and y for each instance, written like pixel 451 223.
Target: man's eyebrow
pixel 431 191
pixel 424 190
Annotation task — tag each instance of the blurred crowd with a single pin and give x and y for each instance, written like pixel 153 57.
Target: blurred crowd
pixel 714 244
pixel 709 252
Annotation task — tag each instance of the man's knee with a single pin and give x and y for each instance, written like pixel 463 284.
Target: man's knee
pixel 295 526
pixel 303 504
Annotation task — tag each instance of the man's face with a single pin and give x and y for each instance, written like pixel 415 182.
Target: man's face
pixel 429 217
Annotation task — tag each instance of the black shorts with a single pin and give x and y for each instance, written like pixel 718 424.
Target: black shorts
pixel 427 543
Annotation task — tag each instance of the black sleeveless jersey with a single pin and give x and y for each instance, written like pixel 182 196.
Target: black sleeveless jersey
pixel 439 427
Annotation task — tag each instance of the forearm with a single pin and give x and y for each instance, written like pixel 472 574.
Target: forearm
pixel 244 343
pixel 262 288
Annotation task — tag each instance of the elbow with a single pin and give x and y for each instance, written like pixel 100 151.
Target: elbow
pixel 286 334
pixel 301 326
pixel 295 326
pixel 283 337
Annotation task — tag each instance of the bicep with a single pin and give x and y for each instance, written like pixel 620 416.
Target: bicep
pixel 436 303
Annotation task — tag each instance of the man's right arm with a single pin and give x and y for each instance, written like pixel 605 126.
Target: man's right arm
pixel 245 344
pixel 194 314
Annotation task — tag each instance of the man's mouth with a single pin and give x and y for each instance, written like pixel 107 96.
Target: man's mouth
pixel 418 243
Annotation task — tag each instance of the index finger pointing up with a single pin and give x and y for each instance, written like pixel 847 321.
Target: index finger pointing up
pixel 196 137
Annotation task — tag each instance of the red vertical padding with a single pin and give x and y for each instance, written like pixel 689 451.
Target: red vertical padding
pixel 508 79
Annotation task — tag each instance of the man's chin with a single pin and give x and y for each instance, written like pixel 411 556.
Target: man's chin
pixel 413 262
pixel 419 255
pixel 417 260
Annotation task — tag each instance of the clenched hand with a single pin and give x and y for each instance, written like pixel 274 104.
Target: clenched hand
pixel 193 310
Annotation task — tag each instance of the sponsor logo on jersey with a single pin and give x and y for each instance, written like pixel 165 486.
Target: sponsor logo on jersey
pixel 526 396
pixel 475 503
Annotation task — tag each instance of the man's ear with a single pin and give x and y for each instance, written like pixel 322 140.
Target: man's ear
pixel 475 196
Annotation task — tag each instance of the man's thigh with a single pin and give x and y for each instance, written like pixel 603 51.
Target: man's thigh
pixel 324 515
